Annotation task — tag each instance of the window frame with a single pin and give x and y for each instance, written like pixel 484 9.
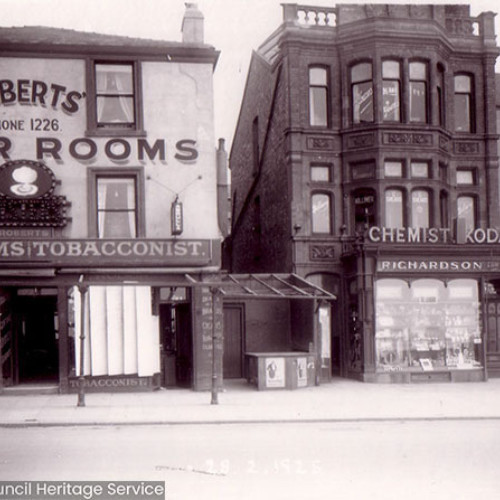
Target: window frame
pixel 399 93
pixel 413 208
pixel 474 208
pixel 471 122
pixel 425 82
pixel 354 83
pixel 402 213
pixel 93 126
pixel 137 173
pixel 326 98
pixel 329 197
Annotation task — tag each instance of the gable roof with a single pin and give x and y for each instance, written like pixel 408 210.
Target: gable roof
pixel 55 41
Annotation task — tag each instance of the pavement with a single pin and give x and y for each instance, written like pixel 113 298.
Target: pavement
pixel 339 400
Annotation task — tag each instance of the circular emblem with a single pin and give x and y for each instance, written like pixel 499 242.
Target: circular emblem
pixel 26 179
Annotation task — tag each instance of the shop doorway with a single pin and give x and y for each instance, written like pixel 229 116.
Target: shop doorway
pixel 36 335
pixel 176 345
pixel 233 341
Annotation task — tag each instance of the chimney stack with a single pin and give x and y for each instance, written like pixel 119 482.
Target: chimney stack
pixel 192 24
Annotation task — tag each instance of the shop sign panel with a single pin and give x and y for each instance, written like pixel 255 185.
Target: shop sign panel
pixel 104 252
pixel 422 265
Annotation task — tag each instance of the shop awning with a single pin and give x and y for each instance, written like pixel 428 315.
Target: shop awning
pixel 266 286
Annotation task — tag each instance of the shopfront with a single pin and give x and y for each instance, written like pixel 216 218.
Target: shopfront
pixel 423 310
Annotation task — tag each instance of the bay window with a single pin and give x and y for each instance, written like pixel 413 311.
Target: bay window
pixel 466 211
pixel 420 211
pixel 394 208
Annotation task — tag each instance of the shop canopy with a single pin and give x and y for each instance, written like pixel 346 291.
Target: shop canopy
pixel 265 286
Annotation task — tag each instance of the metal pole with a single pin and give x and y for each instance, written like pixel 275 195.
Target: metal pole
pixel 215 395
pixel 81 379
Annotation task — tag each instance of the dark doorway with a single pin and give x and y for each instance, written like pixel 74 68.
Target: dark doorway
pixel 233 341
pixel 37 335
pixel 176 345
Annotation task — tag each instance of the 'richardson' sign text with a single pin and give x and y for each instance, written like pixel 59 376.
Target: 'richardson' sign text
pixel 416 265
pixel 108 252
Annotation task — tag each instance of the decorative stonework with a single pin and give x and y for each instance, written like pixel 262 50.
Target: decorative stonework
pixel 408 138
pixel 319 143
pixel 444 143
pixel 322 252
pixel 466 147
pixel 360 141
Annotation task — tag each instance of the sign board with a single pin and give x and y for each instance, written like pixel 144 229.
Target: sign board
pixel 103 252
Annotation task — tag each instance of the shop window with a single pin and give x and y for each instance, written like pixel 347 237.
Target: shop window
pixel 464 119
pixel 318 97
pixel 391 89
pixel 321 208
pixel 418 92
pixel 420 210
pixel 118 201
pixel 426 326
pixel 364 209
pixel 419 170
pixel 466 211
pixel 394 208
pixel 114 108
pixel 393 168
pixel 466 177
pixel 320 173
pixel 362 93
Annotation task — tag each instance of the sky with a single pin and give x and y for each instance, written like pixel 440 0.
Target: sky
pixel 234 27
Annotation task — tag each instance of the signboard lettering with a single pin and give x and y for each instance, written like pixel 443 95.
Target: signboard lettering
pixel 102 251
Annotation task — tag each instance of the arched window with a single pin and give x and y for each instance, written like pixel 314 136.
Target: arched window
pixel 321 210
pixel 394 208
pixel 391 88
pixel 420 209
pixel 464 117
pixel 418 92
pixel 466 211
pixel 318 97
pixel 362 93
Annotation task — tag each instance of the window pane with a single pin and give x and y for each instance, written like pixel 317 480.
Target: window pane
pixel 361 72
pixel 362 102
pixel 114 79
pixel 320 173
pixel 115 110
pixel 466 210
pixel 321 222
pixel 420 209
pixel 463 83
pixel 391 108
pixel 393 208
pixel 418 102
pixel 116 205
pixel 318 106
pixel 465 177
pixel 393 169
pixel 390 69
pixel 420 169
pixel 317 76
pixel 462 113
pixel 418 71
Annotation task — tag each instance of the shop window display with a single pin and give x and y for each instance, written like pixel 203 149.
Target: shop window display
pixel 427 325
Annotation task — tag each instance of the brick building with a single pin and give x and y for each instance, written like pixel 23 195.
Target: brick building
pixel 365 159
pixel 108 209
